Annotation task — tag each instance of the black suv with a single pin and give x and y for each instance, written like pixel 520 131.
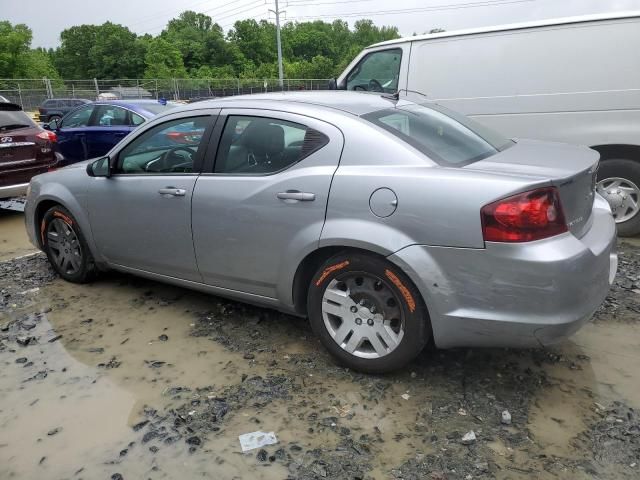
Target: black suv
pixel 56 108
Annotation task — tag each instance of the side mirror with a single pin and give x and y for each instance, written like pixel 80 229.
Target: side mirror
pixel 99 168
pixel 333 84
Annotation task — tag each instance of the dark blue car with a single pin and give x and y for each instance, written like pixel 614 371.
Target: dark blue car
pixel 92 130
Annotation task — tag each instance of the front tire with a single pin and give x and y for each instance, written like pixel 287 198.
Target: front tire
pixel 65 246
pixel 367 313
pixel 619 184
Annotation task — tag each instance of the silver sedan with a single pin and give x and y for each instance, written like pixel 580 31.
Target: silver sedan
pixel 388 222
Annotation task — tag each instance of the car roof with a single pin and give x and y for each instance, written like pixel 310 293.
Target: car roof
pixel 513 26
pixel 355 103
pixel 67 98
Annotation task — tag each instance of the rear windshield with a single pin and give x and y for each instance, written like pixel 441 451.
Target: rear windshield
pixel 12 120
pixel 446 137
pixel 157 108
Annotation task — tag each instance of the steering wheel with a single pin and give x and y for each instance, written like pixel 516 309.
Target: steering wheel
pixel 375 86
pixel 166 162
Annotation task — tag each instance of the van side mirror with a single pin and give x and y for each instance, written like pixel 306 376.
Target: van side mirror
pixel 99 168
pixel 333 84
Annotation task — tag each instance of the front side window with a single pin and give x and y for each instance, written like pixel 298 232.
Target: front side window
pixel 444 136
pixel 78 118
pixel 261 146
pixel 170 147
pixel 377 72
pixel 110 116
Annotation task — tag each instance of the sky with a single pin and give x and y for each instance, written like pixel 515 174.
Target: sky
pixel 410 16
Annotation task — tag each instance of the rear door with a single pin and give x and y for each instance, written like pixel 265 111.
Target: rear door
pixel 109 124
pixel 72 141
pixel 264 201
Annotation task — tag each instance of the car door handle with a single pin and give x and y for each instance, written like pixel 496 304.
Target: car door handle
pixel 296 195
pixel 175 192
pixel 120 134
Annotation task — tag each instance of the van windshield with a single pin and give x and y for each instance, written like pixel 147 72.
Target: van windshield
pixel 446 137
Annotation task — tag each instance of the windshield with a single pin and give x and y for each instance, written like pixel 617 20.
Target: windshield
pixel 12 120
pixel 444 136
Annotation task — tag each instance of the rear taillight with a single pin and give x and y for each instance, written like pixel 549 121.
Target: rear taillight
pixel 525 217
pixel 47 135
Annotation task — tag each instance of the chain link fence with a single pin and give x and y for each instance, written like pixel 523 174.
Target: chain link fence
pixel 30 93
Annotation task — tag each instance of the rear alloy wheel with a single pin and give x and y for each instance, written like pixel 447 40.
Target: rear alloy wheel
pixel 367 313
pixel 65 246
pixel 619 184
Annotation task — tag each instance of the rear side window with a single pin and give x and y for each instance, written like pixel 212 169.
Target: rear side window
pixel 262 146
pixel 51 104
pixel 13 120
pixel 444 136
pixel 110 116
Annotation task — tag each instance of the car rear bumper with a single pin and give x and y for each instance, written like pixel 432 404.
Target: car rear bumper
pixel 515 295
pixel 17 190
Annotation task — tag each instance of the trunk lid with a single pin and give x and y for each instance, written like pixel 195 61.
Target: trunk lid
pixel 571 169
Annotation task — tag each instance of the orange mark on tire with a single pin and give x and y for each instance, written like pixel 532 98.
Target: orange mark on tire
pixel 42 225
pixel 66 219
pixel 327 271
pixel 411 303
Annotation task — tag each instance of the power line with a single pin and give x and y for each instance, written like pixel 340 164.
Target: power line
pixel 231 11
pixel 490 3
pixel 167 12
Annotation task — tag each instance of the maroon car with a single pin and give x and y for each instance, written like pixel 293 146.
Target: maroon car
pixel 25 150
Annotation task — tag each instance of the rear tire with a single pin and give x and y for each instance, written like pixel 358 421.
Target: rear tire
pixel 367 313
pixel 629 171
pixel 65 246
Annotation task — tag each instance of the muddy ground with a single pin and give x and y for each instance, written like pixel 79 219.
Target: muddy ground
pixel 128 378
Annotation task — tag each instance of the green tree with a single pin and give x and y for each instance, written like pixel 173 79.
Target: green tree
pixel 116 53
pixel 163 60
pixel 14 47
pixel 72 58
pixel 256 41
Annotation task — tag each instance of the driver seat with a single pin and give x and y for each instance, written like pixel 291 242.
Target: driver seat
pixel 266 142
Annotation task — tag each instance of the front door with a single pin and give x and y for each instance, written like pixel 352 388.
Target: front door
pixel 109 125
pixel 264 199
pixel 141 216
pixel 71 133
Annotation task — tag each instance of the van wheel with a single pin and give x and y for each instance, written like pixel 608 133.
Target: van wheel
pixel 619 184
pixel 65 246
pixel 367 313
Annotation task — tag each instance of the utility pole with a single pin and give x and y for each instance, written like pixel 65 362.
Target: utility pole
pixel 279 43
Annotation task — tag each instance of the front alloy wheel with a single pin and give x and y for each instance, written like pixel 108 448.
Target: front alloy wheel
pixel 65 246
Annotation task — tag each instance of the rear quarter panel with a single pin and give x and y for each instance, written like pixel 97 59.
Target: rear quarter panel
pixel 435 205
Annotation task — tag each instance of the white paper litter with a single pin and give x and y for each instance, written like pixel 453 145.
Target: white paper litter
pixel 249 441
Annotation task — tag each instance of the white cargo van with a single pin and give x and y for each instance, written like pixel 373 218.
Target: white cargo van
pixel 574 80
